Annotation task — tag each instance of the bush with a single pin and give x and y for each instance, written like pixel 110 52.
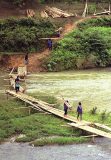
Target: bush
pixel 80 47
pixel 104 115
pixel 93 111
pixel 98 22
pixel 23 34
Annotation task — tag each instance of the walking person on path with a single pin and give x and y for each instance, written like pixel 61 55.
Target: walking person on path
pixel 79 111
pixel 17 84
pixel 66 106
pixel 49 44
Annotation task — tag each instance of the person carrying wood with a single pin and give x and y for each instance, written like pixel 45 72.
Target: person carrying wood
pixel 49 44
pixel 17 84
pixel 66 106
pixel 58 34
pixel 79 111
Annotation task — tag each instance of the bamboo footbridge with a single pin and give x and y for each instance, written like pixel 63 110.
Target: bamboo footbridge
pixel 94 128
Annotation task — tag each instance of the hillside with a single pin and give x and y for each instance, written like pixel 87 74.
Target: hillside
pixel 21 34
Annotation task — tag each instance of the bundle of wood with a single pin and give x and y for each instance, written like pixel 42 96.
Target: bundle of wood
pixel 106 12
pixel 44 14
pixel 30 13
pixel 55 13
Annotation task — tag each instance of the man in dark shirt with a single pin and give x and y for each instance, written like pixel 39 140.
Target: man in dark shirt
pixel 79 111
pixel 49 43
pixel 26 59
pixel 17 85
pixel 65 108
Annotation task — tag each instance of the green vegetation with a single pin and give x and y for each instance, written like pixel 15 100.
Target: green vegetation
pixel 93 110
pixel 59 141
pixel 23 2
pixel 89 46
pixel 104 115
pixel 95 22
pixel 15 119
pixel 23 34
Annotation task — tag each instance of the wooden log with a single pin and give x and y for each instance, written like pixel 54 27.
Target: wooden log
pixel 49 38
pixel 44 14
pixel 59 29
pixel 101 13
pixel 30 13
pixel 56 13
pixel 85 10
pixel 109 7
pixel 89 136
pixel 6 79
pixel 12 71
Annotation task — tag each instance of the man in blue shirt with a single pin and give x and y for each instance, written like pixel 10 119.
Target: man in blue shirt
pixel 66 107
pixel 79 111
pixel 49 43
pixel 17 84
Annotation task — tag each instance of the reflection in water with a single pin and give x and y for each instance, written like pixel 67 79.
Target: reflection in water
pixel 96 151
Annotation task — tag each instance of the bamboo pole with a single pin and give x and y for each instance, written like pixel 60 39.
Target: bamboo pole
pixel 85 9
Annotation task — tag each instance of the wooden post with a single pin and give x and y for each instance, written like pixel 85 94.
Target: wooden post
pixel 93 140
pixel 29 111
pixel 85 9
pixel 25 104
pixel 109 8
pixel 7 96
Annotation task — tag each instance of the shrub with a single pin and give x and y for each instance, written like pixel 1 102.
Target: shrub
pixel 81 46
pixel 98 22
pixel 104 115
pixel 23 34
pixel 93 111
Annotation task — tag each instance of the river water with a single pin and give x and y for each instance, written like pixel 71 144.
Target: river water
pixel 101 150
pixel 92 87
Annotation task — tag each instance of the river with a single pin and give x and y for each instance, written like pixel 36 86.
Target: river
pixel 91 87
pixel 100 150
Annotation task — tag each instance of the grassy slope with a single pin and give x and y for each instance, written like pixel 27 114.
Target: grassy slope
pixel 86 47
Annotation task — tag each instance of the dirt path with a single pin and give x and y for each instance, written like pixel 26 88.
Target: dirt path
pixel 36 59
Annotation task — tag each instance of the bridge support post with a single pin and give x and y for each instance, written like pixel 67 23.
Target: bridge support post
pixel 93 139
pixel 7 96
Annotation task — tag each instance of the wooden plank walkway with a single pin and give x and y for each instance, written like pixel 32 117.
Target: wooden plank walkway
pixel 84 125
pixel 91 130
pixel 12 82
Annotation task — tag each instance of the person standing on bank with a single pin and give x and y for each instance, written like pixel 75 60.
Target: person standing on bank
pixel 26 59
pixel 65 107
pixel 79 111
